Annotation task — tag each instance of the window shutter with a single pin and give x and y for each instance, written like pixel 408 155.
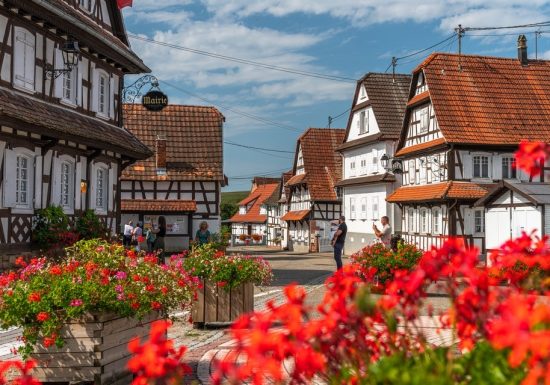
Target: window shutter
pixel 30 58
pixel 78 86
pixel 56 182
pixel 10 166
pixel 109 189
pixel 497 167
pixel 19 59
pixel 467 166
pixel 111 107
pixel 38 182
pixel 95 89
pixel 92 180
pixel 77 179
pixel 58 64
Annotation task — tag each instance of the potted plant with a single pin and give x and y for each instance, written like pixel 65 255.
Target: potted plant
pixel 227 283
pixel 79 314
pixel 257 238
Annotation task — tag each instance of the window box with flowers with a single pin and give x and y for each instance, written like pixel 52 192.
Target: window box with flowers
pixel 227 283
pixel 78 315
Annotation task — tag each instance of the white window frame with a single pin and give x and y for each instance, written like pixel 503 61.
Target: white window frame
pixel 410 220
pixel 424 120
pixel 101 208
pixel 363 208
pixel 412 171
pixel 363 165
pixel 481 228
pixel 436 221
pixel 72 76
pixel 424 220
pixel 68 205
pixel 510 167
pixel 20 157
pixel 352 207
pixel 481 157
pixel 375 208
pixel 352 167
pixel 24 81
pixel 374 162
pixel 11 191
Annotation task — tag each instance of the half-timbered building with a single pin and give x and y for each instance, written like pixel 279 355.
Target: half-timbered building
pixel 182 181
pixel 61 136
pixel 314 199
pixel 465 117
pixel 284 193
pixel 250 224
pixel 272 207
pixel 374 126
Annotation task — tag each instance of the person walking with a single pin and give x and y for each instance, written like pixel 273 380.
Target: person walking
pixel 127 233
pixel 137 236
pixel 338 241
pixel 384 235
pixel 150 239
pixel 203 234
pixel 160 233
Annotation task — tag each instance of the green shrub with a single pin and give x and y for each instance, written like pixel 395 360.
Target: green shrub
pixel 89 226
pixel 50 228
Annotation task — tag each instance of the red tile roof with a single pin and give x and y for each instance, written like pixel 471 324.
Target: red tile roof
pixel 150 205
pixel 322 164
pixel 420 147
pixel 295 215
pixel 257 197
pixel 439 191
pixel 490 100
pixel 194 149
pixel 424 96
pixel 296 179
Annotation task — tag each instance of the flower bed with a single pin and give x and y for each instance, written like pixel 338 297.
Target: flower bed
pixel 381 263
pixel 95 277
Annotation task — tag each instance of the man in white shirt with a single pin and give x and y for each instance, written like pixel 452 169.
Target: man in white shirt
pixel 127 234
pixel 383 235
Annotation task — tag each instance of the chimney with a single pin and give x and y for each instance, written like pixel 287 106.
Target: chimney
pixel 160 152
pixel 522 50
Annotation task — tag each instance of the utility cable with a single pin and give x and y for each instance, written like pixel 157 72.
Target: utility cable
pixel 245 61
pixel 258 148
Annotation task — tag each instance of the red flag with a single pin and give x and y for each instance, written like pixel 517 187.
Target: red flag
pixel 124 3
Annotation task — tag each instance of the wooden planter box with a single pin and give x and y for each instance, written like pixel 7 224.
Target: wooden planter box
pixel 95 350
pixel 216 304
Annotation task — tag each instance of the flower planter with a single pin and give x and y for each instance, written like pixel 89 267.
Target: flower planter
pixel 95 350
pixel 217 304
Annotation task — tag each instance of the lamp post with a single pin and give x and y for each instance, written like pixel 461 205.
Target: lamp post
pixel 391 164
pixel 70 53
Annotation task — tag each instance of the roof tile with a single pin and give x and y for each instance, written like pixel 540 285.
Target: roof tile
pixel 160 205
pixel 439 191
pixel 295 215
pixel 257 197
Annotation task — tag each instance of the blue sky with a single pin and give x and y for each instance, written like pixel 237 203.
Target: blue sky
pixel 346 38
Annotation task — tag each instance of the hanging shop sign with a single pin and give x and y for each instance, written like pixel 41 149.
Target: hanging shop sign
pixel 154 100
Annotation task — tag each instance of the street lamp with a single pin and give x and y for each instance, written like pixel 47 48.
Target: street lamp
pixel 69 52
pixel 391 164
pixel 384 161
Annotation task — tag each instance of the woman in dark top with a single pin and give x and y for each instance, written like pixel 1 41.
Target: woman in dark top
pixel 160 233
pixel 203 235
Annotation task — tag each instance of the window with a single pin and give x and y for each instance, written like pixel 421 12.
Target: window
pixel 481 166
pixel 424 120
pixel 374 207
pixel 242 210
pixel 22 181
pixel 411 220
pixel 509 167
pixel 352 208
pixel 66 187
pixel 362 93
pixel 363 208
pixel 352 167
pixel 101 189
pixel 87 5
pixel 435 220
pixel 362 121
pixel 479 221
pixel 363 165
pixel 103 95
pixel 424 220
pixel 374 162
pixel 69 86
pixel 24 59
pixel 412 171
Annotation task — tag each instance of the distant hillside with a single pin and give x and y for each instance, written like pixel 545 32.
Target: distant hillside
pixel 229 202
pixel 234 197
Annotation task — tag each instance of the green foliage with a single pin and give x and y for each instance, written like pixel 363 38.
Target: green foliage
pixel 483 365
pixel 206 262
pixel 228 210
pixel 50 224
pixel 386 261
pixel 89 226
pixel 220 240
pixel 229 203
pixel 95 277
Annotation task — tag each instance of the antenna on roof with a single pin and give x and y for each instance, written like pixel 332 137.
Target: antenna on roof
pixel 460 32
pixel 330 119
pixel 393 65
pixel 537 35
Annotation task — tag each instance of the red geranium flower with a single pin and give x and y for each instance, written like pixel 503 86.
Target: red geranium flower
pixel 34 297
pixel 42 316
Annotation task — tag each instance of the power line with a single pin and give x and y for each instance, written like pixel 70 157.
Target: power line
pixel 245 61
pixel 532 25
pixel 261 173
pixel 426 49
pixel 258 148
pixel 238 112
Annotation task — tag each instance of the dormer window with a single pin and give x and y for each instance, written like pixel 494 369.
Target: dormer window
pixel 362 93
pixel 420 79
pixel 363 122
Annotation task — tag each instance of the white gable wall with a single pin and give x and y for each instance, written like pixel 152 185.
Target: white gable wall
pixel 370 129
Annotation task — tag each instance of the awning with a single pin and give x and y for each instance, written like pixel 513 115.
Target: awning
pixel 439 192
pixel 296 215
